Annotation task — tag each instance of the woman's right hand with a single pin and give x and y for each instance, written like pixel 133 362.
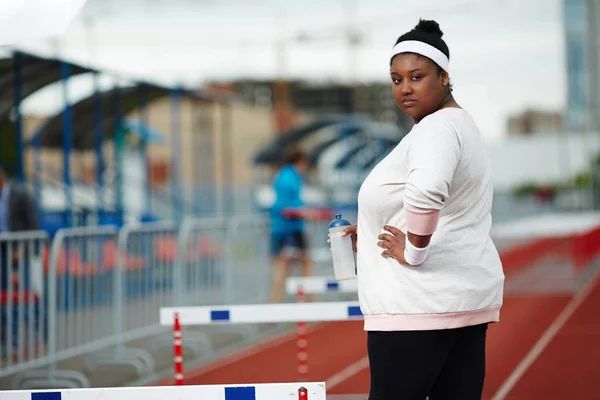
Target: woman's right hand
pixel 351 230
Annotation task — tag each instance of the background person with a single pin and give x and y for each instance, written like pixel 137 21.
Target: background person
pixel 288 239
pixel 17 213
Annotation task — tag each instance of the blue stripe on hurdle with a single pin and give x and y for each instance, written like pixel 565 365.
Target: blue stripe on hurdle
pixel 333 286
pixel 354 311
pixel 219 315
pixel 46 396
pixel 240 393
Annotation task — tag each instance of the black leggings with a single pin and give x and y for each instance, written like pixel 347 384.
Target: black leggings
pixel 442 364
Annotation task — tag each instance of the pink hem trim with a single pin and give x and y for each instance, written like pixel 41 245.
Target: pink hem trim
pixel 422 222
pixel 418 322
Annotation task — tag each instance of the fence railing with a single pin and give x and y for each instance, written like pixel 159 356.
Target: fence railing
pixel 92 292
pixel 247 276
pixel 23 301
pixel 201 260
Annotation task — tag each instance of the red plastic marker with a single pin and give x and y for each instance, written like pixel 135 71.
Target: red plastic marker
pixel 177 351
pixel 301 343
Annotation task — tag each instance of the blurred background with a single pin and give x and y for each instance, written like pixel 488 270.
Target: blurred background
pixel 148 135
pixel 204 95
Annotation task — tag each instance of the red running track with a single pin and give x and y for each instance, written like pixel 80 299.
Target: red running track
pixel 545 347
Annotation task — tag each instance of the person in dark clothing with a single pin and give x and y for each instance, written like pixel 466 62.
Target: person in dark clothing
pixel 17 214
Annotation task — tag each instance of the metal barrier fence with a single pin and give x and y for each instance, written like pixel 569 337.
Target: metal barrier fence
pixel 248 266
pixel 147 258
pixel 201 254
pixel 100 288
pixel 23 304
pixel 80 291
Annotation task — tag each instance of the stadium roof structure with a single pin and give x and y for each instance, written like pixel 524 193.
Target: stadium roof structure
pixel 272 153
pixel 324 134
pixel 20 76
pixel 112 105
pixel 23 74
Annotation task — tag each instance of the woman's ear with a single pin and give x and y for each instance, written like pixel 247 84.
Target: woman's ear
pixel 445 78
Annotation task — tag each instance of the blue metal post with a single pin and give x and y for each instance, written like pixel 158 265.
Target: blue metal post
pixel 18 92
pixel 65 71
pixel 144 120
pixel 98 141
pixel 176 153
pixel 227 140
pixel 198 130
pixel 116 109
pixel 37 156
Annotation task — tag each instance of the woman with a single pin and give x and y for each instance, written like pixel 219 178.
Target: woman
pixel 430 279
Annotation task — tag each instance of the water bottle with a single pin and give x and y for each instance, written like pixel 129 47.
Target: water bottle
pixel 344 264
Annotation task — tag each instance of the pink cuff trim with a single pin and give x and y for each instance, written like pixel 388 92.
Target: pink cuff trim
pixel 418 322
pixel 422 223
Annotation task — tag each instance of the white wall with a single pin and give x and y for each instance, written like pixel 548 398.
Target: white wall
pixel 541 158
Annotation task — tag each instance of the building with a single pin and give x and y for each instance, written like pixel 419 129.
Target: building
pixel 581 28
pixel 535 121
pixel 212 164
pixel 321 99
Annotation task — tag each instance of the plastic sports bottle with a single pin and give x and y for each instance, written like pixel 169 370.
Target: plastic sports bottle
pixel 344 263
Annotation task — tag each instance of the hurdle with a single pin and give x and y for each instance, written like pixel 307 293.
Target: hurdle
pixel 263 391
pixel 262 313
pixel 320 285
pixel 300 313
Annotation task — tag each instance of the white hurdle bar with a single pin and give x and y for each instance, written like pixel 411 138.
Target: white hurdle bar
pixel 262 313
pixel 265 391
pixel 320 285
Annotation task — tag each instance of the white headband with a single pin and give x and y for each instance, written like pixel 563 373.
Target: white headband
pixel 424 49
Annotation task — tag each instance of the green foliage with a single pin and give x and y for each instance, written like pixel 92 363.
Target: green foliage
pixel 582 180
pixel 524 190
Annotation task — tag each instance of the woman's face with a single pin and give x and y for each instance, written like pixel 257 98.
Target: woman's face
pixel 418 87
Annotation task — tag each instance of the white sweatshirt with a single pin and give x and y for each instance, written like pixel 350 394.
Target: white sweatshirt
pixel 440 167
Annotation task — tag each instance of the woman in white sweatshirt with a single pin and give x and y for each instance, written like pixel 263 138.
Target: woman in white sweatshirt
pixel 429 277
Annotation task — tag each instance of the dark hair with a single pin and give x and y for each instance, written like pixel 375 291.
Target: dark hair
pixel 427 31
pixel 293 155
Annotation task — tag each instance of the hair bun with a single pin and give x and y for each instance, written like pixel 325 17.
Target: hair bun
pixel 429 26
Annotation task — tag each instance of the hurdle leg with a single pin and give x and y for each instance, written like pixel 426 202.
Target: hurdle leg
pixel 177 351
pixel 301 342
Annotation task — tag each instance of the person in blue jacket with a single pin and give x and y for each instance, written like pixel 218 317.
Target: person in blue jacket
pixel 288 240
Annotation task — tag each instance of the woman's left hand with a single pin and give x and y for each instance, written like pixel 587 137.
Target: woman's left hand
pixel 393 243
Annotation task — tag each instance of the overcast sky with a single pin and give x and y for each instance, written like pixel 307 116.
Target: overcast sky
pixel 506 55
